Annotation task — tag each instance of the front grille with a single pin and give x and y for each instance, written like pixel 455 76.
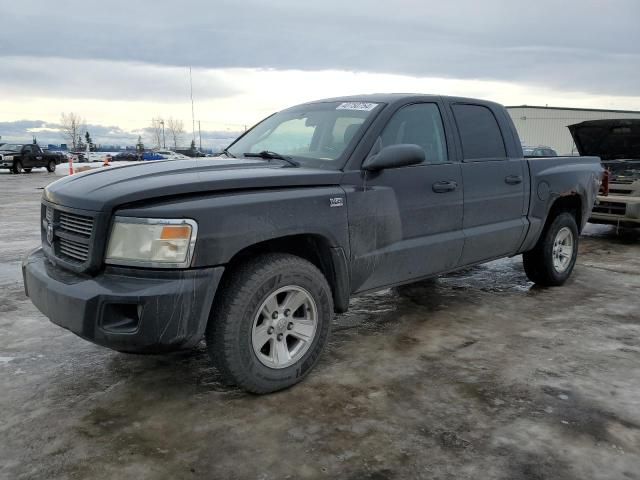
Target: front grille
pixel 68 236
pixel 74 250
pixel 78 224
pixel 614 208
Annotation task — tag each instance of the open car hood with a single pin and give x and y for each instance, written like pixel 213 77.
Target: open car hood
pixel 608 139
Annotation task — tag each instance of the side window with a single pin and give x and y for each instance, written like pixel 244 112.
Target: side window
pixel 26 149
pixel 479 132
pixel 420 124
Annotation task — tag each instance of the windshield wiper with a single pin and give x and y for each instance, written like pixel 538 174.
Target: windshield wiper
pixel 269 155
pixel 228 154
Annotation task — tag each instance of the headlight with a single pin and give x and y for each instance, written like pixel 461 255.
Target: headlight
pixel 151 242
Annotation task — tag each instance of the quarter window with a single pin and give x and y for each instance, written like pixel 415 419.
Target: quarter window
pixel 419 124
pixel 479 132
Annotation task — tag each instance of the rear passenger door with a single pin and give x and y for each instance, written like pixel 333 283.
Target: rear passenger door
pixel 494 186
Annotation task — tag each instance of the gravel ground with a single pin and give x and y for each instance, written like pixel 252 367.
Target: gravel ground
pixel 479 375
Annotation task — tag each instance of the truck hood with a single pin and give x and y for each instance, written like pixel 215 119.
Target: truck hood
pixel 608 139
pixel 106 188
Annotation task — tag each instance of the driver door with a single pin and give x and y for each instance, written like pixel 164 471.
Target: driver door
pixel 406 222
pixel 27 157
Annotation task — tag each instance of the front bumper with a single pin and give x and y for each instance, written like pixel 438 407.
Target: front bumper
pixel 616 210
pixel 130 310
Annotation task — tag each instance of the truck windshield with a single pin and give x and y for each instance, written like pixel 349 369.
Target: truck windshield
pixel 11 147
pixel 314 135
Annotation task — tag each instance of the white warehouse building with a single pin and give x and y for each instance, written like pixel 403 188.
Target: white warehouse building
pixel 548 125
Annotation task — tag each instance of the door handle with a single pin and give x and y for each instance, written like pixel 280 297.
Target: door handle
pixel 444 186
pixel 513 179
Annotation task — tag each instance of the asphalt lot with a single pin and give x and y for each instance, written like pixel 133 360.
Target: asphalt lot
pixel 479 375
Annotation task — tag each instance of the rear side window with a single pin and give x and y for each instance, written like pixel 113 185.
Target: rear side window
pixel 479 132
pixel 419 124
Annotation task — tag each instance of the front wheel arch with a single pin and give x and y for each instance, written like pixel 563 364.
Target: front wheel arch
pixel 329 259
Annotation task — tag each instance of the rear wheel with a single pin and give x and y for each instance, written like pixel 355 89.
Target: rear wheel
pixel 552 260
pixel 270 323
pixel 17 167
pixel 51 166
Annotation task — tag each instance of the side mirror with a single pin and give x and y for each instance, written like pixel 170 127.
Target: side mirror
pixel 395 156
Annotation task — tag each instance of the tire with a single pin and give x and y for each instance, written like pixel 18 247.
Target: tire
pixel 238 326
pixel 51 166
pixel 545 264
pixel 27 170
pixel 17 167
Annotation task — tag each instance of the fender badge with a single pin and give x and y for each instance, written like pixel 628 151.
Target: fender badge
pixel 336 202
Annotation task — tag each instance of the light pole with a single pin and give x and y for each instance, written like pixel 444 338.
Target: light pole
pixel 164 144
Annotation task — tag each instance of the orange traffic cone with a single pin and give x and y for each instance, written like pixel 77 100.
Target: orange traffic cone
pixel 107 161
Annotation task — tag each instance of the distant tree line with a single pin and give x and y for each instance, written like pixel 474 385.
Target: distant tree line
pixel 161 130
pixel 74 130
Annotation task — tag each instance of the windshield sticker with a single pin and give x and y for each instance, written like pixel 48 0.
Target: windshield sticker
pixel 362 106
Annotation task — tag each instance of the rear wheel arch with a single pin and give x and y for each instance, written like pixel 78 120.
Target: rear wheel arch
pixel 571 203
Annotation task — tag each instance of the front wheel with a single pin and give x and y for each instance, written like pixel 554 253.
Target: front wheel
pixel 270 322
pixel 552 260
pixel 51 166
pixel 17 167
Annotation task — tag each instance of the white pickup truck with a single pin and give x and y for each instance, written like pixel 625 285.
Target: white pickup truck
pixel 617 143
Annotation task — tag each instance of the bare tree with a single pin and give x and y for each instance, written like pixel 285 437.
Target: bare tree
pixel 71 125
pixel 176 131
pixel 157 134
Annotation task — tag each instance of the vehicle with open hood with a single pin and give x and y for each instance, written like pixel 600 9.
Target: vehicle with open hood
pixel 255 250
pixel 617 143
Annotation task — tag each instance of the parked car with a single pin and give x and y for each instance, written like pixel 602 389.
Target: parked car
pixel 170 155
pixel 20 157
pixel 540 151
pixel 617 143
pixel 313 205
pixel 127 156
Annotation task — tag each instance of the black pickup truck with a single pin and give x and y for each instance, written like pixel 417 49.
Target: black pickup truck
pixel 19 157
pixel 256 249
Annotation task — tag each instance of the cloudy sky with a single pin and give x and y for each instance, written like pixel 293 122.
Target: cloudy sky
pixel 120 63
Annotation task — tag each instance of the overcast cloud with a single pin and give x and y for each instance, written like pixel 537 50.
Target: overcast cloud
pixel 124 51
pixel 584 45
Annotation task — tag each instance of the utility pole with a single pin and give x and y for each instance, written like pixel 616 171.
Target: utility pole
pixel 164 143
pixel 200 135
pixel 193 116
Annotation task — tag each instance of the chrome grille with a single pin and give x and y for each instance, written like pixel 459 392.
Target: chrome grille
pixel 624 181
pixel 77 224
pixel 74 250
pixel 68 236
pixel 612 208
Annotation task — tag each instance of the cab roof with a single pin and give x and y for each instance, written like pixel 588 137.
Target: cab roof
pixel 391 98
